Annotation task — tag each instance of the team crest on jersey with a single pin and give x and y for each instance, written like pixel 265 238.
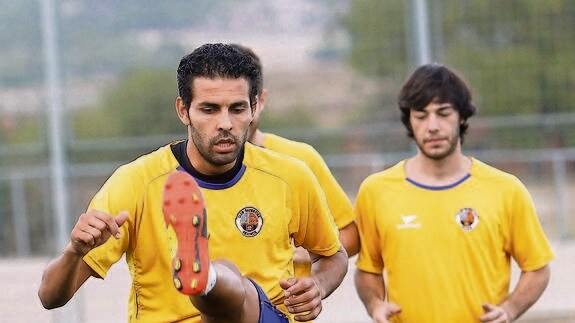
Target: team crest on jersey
pixel 467 219
pixel 249 221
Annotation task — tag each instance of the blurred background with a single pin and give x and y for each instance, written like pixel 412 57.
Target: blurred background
pixel 88 85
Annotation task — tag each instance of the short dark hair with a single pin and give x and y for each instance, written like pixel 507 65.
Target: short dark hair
pixel 257 62
pixel 216 61
pixel 435 83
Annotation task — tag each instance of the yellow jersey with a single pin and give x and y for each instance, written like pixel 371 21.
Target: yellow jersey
pixel 282 197
pixel 446 250
pixel 339 204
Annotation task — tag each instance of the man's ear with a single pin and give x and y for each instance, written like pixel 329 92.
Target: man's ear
pixel 260 103
pixel 182 111
pixel 262 98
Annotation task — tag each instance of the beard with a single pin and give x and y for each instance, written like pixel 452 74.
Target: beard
pixel 204 146
pixel 441 153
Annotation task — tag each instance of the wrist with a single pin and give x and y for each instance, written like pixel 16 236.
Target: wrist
pixel 70 251
pixel 373 305
pixel 509 316
pixel 318 286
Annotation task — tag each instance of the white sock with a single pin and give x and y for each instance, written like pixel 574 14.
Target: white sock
pixel 212 275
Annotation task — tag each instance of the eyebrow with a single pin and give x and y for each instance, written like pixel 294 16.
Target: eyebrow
pixel 208 105
pixel 240 103
pixel 216 105
pixel 445 106
pixel 442 107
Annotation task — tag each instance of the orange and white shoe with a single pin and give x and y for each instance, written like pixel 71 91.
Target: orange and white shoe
pixel 186 222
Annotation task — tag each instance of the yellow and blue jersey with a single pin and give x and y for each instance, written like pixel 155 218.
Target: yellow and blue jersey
pixel 253 219
pixel 447 247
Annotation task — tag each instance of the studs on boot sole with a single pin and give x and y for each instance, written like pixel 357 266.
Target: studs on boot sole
pixel 178 283
pixel 177 264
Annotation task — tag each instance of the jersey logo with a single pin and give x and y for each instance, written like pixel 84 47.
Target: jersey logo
pixel 249 221
pixel 467 219
pixel 408 222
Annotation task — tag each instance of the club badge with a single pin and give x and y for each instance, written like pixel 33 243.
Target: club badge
pixel 249 221
pixel 467 219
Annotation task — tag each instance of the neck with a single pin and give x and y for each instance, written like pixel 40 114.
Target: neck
pixel 257 138
pixel 445 171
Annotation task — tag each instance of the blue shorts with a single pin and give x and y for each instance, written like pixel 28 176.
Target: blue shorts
pixel 268 312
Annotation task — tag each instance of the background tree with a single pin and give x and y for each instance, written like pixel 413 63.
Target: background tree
pixel 508 50
pixel 141 103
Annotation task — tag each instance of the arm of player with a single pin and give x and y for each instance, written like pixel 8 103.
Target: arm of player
pixel 328 272
pixel 349 237
pixel 66 274
pixel 529 288
pixel 304 294
pixel 371 290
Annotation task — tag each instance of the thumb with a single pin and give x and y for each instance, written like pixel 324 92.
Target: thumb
pixel 287 283
pixel 487 307
pixel 120 219
pixel 394 308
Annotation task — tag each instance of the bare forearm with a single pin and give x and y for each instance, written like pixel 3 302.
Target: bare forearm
pixel 349 238
pixel 527 291
pixel 329 272
pixel 62 278
pixel 370 289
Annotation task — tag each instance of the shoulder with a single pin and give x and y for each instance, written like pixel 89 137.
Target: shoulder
pixel 273 140
pixel 491 178
pixel 484 171
pixel 274 163
pixel 149 166
pixel 131 182
pixel 393 173
pixel 297 149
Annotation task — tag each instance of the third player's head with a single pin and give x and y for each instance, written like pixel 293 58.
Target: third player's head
pixel 262 93
pixel 218 88
pixel 435 83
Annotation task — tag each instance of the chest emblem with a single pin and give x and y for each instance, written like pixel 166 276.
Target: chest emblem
pixel 467 219
pixel 249 221
pixel 409 222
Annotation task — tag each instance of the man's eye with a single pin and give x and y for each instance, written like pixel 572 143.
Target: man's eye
pixel 239 109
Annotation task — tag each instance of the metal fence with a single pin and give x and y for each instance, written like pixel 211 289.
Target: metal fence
pixel 516 54
pixel 27 222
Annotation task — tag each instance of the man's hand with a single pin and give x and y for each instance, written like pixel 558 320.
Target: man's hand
pixel 494 314
pixel 303 297
pixel 384 312
pixel 94 228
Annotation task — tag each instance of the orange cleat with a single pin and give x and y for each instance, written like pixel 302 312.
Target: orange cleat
pixel 186 221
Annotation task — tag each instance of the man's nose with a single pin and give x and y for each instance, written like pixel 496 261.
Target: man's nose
pixel 224 120
pixel 433 123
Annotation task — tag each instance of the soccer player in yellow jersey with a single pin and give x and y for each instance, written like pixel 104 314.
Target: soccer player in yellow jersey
pixel 438 230
pixel 258 205
pixel 339 204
